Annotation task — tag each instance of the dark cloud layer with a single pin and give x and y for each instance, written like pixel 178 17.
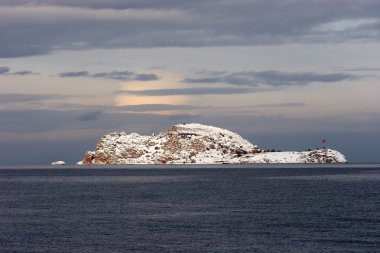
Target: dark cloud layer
pixel 24 73
pixel 191 91
pixel 7 71
pixel 19 97
pixel 39 26
pixel 362 69
pixel 4 70
pixel 100 109
pixel 74 74
pixel 88 116
pixel 114 75
pixel 273 78
pixel 294 104
pixel 250 79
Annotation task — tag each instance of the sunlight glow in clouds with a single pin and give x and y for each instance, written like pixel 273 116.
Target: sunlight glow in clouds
pixel 167 80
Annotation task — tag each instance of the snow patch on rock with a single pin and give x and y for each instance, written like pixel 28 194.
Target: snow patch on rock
pixel 314 156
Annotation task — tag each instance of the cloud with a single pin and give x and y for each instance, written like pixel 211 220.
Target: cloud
pixel 191 91
pixel 22 98
pixel 24 73
pixel 276 78
pixel 146 77
pixel 273 78
pixel 116 75
pixel 113 75
pixel 156 107
pixel 294 104
pixel 99 4
pixel 127 108
pixel 32 27
pixel 125 75
pixel 88 116
pixel 7 71
pixel 74 74
pixel 362 69
pixel 4 70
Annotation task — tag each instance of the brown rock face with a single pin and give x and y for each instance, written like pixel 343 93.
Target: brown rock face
pixel 88 157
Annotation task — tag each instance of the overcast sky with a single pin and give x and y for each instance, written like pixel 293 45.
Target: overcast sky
pixel 284 74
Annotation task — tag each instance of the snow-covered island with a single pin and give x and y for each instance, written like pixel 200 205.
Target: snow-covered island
pixel 58 163
pixel 194 144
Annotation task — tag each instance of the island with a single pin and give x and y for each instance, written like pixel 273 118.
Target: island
pixel 58 163
pixel 195 144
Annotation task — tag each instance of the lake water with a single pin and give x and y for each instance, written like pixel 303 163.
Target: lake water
pixel 266 208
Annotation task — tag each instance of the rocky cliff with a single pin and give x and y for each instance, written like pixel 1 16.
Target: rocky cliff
pixel 194 143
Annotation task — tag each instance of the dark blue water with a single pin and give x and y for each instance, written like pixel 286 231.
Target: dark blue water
pixel 168 209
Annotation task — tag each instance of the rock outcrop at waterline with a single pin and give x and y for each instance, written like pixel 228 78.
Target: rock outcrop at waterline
pixel 194 144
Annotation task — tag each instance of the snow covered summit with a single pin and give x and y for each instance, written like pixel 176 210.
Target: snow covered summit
pixel 194 143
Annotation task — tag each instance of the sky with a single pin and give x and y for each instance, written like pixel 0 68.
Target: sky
pixel 284 74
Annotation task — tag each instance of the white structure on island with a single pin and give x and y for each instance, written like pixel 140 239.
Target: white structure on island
pixel 58 163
